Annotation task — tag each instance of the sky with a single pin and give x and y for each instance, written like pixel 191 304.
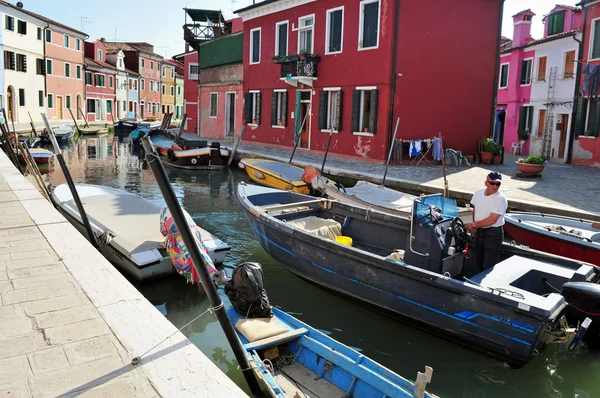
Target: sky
pixel 160 22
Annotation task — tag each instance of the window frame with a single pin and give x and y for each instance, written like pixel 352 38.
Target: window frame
pixel 67 101
pixel 251 53
pixel 8 26
pixel 99 54
pixel 111 81
pixel 50 101
pixel 190 74
pixel 537 68
pixel 565 74
pixel 302 29
pixel 21 22
pixel 279 93
pixel 591 40
pixel 49 70
pixel 39 34
pixel 78 72
pixel 22 98
pixel 77 44
pixel 500 86
pixel 287 38
pixel 254 106
pixel 530 72
pixel 361 106
pixel 47 33
pixel 91 78
pixel 333 107
pixel 41 100
pixel 361 21
pixel 67 68
pixel 216 107
pixel 66 43
pixel 164 89
pixel 327 30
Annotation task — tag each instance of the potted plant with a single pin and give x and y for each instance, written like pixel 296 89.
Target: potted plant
pixel 497 158
pixel 280 123
pixel 523 134
pixel 531 165
pixel 488 148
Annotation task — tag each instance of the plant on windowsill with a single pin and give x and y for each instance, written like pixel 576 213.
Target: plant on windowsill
pixel 523 134
pixel 488 149
pixel 254 121
pixel 280 123
pixel 588 133
pixel 365 130
pixel 532 165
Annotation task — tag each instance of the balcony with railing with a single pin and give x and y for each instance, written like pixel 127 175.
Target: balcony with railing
pixel 302 67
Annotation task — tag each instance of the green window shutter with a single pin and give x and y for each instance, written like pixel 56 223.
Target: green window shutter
pixel 596 40
pixel 322 110
pixel 529 110
pixel 524 72
pixel 258 107
pixel 559 23
pixel 274 109
pixel 522 118
pixel 355 110
pixel 248 107
pixel 504 77
pixel 580 116
pixel 597 119
pixel 24 63
pixel 12 61
pixel 338 108
pixel 374 106
pixel 284 108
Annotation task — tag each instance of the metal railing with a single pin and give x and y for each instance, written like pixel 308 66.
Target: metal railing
pixel 301 65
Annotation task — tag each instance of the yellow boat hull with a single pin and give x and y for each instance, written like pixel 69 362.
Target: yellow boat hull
pixel 259 171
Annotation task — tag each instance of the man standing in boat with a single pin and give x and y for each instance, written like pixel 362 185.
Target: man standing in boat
pixel 488 215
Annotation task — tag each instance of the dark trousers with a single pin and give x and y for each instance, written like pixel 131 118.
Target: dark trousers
pixel 487 246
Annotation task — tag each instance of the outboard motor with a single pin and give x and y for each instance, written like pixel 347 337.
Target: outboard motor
pixel 584 302
pixel 247 293
pixel 215 153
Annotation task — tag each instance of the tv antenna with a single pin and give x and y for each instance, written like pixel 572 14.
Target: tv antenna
pixel 84 20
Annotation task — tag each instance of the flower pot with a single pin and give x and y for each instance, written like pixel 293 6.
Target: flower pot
pixel 280 123
pixel 366 130
pixel 530 169
pixel 497 159
pixel 470 158
pixel 487 157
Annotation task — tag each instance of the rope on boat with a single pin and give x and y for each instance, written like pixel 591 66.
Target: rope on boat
pixel 137 359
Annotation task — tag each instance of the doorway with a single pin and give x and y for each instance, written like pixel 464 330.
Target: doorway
pixel 562 142
pixel 59 107
pixel 10 106
pixel 304 117
pixel 229 114
pixel 142 111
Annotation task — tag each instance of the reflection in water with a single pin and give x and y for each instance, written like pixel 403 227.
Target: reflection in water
pixel 209 198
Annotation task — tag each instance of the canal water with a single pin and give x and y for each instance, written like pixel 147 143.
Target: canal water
pixel 209 198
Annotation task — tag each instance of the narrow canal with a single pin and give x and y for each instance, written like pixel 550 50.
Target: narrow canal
pixel 209 198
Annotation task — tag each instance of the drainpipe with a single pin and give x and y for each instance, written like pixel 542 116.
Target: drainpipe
pixel 496 78
pixel 199 94
pixel 45 65
pixel 394 74
pixel 576 98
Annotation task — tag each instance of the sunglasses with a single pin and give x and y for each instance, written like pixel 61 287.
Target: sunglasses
pixel 495 184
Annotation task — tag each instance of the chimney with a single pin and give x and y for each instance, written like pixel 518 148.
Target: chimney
pixel 102 39
pixel 522 28
pixel 19 4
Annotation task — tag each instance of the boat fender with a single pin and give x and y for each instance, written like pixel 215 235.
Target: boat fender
pixel 259 175
pixel 194 161
pixel 171 155
pixel 241 165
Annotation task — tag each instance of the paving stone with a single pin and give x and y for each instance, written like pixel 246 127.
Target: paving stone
pixel 48 360
pixel 37 243
pixel 5 257
pixel 36 271
pixel 2 265
pixel 27 255
pixel 15 327
pixel 22 246
pixel 5 286
pixel 78 379
pixel 54 304
pixel 90 350
pixel 45 280
pixel 15 389
pixel 11 311
pixel 22 345
pixel 38 293
pixel 66 316
pixel 3 276
pixel 26 231
pixel 21 222
pixel 7 196
pixel 28 263
pixel 122 388
pixel 77 331
pixel 14 368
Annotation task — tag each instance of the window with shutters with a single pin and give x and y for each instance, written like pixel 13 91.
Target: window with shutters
pixel 368 28
pixel 595 39
pixel 66 41
pixel 541 122
pixel 306 34
pixel 91 105
pixel 164 89
pixel 21 63
pixel 193 71
pixel 172 90
pixel 110 82
pixel 21 27
pixel 252 108
pixel 569 67
pixel 48 66
pixel 9 60
pixel 77 44
pixel 279 109
pixel 151 85
pixel 335 30
pixel 255 46
pixel 364 110
pixel 78 71
pixel 99 55
pixel 40 66
pixel 39 33
pixel 135 84
pixel 503 83
pixel 281 38
pixel 41 98
pixel 330 110
pixel 68 102
pixel 142 85
pixel 525 118
pixel 555 23
pixel 526 71
pixel 50 101
pixel 88 78
pixel 541 69
pixel 214 98
pixel 109 106
pixel 21 97
pixel 592 116
pixel 48 36
pixel 67 70
pixel 9 23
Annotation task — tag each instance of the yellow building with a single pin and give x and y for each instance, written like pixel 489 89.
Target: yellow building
pixel 168 87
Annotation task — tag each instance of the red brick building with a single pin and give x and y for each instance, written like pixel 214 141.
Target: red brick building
pixel 357 66
pixel 100 83
pixel 191 74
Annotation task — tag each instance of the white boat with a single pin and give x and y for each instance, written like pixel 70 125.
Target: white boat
pixel 376 197
pixel 128 229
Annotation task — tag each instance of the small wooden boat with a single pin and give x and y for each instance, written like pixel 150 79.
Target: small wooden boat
pixel 275 174
pixel 161 144
pixel 413 269
pixel 378 197
pixel 128 229
pixel 295 360
pixel 564 236
pixel 89 131
pixel 63 133
pixel 210 157
pixel 31 141
pixel 39 155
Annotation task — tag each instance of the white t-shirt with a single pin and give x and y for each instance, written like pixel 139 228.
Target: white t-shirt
pixel 484 205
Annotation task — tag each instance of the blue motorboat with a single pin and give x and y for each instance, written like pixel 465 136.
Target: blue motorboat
pixel 293 359
pixel 136 136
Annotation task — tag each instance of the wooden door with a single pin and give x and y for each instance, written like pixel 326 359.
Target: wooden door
pixel 59 107
pixel 305 131
pixel 562 142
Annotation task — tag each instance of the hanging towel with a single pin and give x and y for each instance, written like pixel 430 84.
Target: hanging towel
pixel 589 71
pixel 437 149
pixel 415 148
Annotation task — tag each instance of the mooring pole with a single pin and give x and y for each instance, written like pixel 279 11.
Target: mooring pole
pixel 61 161
pixel 390 153
pixel 186 234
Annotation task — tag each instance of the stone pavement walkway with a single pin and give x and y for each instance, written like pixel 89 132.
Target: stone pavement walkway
pixel 70 323
pixel 566 189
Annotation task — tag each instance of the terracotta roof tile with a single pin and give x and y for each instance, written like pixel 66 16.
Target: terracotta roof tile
pixel 99 64
pixel 540 41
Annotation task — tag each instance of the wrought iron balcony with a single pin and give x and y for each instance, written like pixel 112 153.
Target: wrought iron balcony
pixel 299 65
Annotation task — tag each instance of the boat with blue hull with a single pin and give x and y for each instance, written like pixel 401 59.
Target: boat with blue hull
pixel 417 270
pixel 295 360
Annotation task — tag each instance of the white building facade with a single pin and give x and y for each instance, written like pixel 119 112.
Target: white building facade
pixel 118 61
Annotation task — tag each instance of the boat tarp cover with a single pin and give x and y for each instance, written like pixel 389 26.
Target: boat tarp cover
pixel 287 171
pixel 426 209
pixel 326 228
pixel 247 293
pixel 381 196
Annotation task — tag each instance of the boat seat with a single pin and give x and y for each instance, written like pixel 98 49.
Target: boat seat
pixel 255 329
pixel 397 255
pixel 529 279
pixel 324 227
pixel 595 237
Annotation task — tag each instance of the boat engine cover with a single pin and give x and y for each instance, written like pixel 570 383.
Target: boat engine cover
pixel 247 293
pixel 583 296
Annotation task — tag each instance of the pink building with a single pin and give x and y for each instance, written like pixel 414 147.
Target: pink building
pixel 190 90
pixel 65 87
pixel 100 83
